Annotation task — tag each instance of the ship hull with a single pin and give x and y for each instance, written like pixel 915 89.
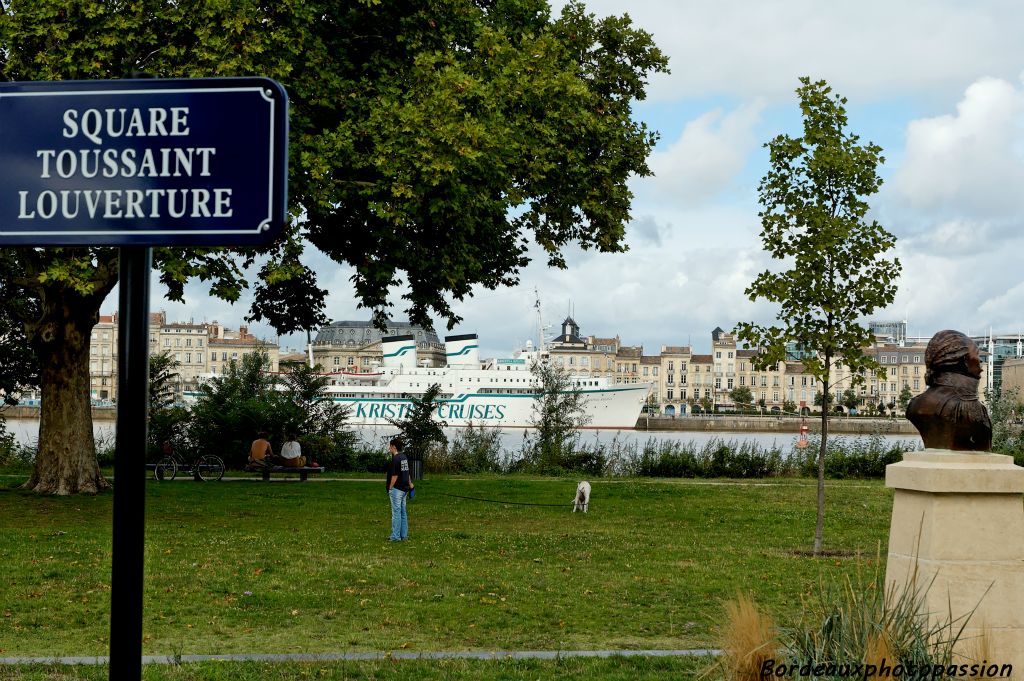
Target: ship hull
pixel 610 408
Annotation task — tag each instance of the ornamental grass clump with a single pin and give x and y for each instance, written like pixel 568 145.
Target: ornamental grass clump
pixel 846 625
pixel 750 640
pixel 855 622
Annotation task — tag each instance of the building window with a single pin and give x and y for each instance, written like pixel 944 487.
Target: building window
pixel 188 357
pixel 728 384
pixel 167 342
pixel 743 380
pixel 669 394
pixel 730 355
pixel 882 359
pixel 718 355
pixel 188 342
pixel 764 381
pixel 718 384
pixel 917 359
pixel 670 365
pixel 199 357
pixel 917 384
pixel 655 371
pixel 775 396
pixel 350 360
pixel 645 371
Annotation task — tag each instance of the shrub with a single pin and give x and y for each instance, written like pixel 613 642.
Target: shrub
pixel 473 449
pixel 860 457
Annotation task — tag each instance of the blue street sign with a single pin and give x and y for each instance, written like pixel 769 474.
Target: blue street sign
pixel 143 162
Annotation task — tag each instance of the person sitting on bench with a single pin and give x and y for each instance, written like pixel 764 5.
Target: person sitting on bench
pixel 291 453
pixel 261 453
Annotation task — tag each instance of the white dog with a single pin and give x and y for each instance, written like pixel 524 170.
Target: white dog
pixel 582 499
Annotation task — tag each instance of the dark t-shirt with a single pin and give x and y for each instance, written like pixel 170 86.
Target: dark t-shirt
pixel 400 467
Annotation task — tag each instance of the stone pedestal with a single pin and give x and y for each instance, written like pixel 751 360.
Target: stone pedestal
pixel 958 525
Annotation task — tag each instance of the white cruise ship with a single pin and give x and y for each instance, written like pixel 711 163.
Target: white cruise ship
pixel 495 392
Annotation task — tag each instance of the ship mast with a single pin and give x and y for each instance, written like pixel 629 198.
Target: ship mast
pixel 540 321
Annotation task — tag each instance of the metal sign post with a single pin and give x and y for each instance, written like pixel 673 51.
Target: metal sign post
pixel 135 164
pixel 129 451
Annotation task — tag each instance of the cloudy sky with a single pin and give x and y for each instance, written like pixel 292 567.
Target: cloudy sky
pixel 937 84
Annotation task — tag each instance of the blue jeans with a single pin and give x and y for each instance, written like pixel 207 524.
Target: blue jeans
pixel 399 516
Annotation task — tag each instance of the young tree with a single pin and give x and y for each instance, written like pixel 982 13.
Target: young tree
pixel 167 422
pixel 851 400
pixel 813 218
pixel 707 405
pixel 905 396
pixel 559 412
pixel 823 400
pixel 419 428
pixel 742 396
pixel 429 143
pixel 789 406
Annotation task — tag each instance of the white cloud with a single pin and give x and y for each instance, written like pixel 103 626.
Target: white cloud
pixel 868 49
pixel 967 163
pixel 709 154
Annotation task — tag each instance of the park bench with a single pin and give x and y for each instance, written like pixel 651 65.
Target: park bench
pixel 303 471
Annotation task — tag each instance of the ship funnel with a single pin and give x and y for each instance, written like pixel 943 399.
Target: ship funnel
pixel 399 351
pixel 462 350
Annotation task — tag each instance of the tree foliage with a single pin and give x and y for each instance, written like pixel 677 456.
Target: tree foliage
pixel 742 396
pixel 419 428
pixel 430 144
pixel 814 220
pixel 558 414
pixel 905 396
pixel 851 400
pixel 235 407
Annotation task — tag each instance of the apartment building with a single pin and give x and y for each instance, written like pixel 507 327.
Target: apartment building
pixel 674 360
pixel 355 346
pixel 190 344
pixel 584 356
pixel 226 346
pixel 103 360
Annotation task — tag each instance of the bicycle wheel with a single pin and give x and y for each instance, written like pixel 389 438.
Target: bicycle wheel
pixel 209 467
pixel 165 469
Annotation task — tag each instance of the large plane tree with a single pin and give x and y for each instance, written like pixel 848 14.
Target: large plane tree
pixel 430 144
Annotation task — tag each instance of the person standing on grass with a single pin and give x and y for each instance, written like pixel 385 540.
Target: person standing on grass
pixel 399 484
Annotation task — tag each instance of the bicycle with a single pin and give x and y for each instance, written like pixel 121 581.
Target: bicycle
pixel 204 467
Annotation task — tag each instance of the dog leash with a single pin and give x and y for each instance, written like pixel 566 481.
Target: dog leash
pixel 498 501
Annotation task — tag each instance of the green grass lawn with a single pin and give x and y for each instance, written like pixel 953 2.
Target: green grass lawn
pixel 288 567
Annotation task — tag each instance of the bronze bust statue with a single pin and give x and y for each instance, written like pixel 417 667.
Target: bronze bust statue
pixel 948 414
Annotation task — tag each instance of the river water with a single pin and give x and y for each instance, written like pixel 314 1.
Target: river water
pixel 26 431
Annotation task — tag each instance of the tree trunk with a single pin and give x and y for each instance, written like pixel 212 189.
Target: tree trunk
pixel 819 526
pixel 66 459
